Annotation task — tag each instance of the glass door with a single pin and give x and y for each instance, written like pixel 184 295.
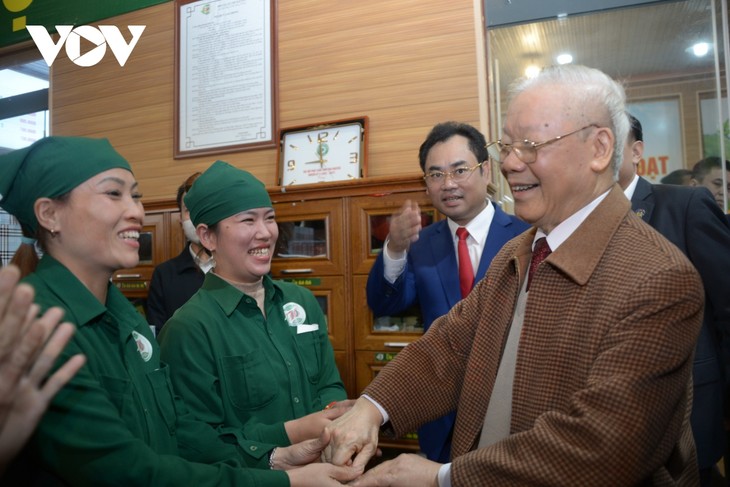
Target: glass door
pixel 670 55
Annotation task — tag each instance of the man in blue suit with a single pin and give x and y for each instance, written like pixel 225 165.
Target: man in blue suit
pixel 422 265
pixel 690 219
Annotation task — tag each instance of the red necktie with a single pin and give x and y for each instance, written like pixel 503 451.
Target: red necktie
pixel 466 273
pixel 539 253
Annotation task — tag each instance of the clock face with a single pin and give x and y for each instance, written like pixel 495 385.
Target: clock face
pixel 322 154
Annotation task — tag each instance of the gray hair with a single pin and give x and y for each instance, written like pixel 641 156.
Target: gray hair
pixel 590 87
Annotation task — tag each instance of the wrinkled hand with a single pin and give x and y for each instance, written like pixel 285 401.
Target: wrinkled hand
pixel 299 454
pixel 311 474
pixel 354 436
pixel 404 227
pixel 27 354
pixel 322 475
pixel 312 425
pixel 405 471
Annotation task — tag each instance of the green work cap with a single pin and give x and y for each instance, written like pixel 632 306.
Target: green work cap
pixel 51 167
pixel 223 190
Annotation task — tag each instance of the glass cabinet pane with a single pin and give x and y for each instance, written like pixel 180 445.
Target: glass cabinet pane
pixel 380 223
pixel 311 238
pixel 409 321
pixel 303 239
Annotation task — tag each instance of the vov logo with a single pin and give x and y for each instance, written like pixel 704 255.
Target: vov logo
pixel 101 37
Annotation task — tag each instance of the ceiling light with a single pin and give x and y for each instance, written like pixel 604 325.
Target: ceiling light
pixel 564 58
pixel 700 49
pixel 531 71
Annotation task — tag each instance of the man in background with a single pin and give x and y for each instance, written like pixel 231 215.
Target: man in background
pixel 708 173
pixel 577 375
pixel 425 266
pixel 680 177
pixel 690 219
pixel 176 280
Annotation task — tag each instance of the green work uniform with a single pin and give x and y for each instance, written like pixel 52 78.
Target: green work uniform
pixel 246 374
pixel 118 421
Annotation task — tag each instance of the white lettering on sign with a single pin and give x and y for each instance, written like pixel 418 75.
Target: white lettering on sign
pixel 99 37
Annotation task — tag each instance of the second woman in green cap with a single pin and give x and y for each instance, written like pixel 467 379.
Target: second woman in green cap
pixel 250 355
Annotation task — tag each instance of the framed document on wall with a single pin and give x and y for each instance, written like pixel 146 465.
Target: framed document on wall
pixel 225 76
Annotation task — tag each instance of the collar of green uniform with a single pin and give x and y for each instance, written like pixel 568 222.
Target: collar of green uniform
pixel 81 305
pixel 228 297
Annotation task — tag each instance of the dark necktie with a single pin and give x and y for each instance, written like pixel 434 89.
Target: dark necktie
pixel 540 252
pixel 466 272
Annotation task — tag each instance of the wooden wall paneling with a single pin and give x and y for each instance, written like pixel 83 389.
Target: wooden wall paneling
pixel 407 65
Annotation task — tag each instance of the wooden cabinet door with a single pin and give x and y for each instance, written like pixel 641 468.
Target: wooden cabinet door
pixel 370 219
pixel 135 282
pixel 311 238
pixel 389 333
pixel 367 366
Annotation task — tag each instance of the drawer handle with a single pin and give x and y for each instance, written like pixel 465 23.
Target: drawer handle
pixel 296 271
pixel 396 344
pixel 128 276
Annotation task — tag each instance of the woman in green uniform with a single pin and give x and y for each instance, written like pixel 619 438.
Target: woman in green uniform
pixel 117 422
pixel 248 354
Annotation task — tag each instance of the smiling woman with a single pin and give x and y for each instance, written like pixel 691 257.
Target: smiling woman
pixel 250 355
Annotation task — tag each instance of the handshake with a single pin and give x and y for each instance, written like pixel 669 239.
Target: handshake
pixel 346 444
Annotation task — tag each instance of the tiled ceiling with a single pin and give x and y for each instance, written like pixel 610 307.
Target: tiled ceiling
pixel 630 44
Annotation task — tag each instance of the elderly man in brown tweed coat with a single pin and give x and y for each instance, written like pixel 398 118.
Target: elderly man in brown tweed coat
pixel 582 377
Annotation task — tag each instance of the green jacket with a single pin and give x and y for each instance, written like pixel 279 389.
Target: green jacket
pixel 118 421
pixel 245 374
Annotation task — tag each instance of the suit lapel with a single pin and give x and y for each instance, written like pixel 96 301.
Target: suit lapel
pixel 494 242
pixel 642 202
pixel 447 268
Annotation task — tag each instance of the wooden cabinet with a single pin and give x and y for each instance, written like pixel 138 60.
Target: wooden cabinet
pixel 367 366
pixel 152 250
pixel 161 239
pixel 311 239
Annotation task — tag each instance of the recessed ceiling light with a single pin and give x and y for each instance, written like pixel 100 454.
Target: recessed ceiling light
pixel 564 58
pixel 531 71
pixel 700 49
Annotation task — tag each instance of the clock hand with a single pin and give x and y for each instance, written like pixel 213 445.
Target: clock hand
pixel 321 155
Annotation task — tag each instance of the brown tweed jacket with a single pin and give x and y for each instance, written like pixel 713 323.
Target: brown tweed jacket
pixel 602 382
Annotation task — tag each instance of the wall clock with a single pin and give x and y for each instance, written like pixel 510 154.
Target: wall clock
pixel 324 152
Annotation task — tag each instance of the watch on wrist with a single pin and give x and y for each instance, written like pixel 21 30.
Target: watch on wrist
pixel 271 458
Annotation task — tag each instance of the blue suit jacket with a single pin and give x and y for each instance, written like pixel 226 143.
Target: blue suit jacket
pixel 691 220
pixel 431 279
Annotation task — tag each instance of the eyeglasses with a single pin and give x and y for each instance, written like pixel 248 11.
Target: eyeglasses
pixel 457 175
pixel 526 150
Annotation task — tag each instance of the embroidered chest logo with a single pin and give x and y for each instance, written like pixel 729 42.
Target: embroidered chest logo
pixel 144 347
pixel 294 314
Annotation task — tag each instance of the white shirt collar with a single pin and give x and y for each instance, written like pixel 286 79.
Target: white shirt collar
pixel 204 266
pixel 629 191
pixel 561 233
pixel 478 227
